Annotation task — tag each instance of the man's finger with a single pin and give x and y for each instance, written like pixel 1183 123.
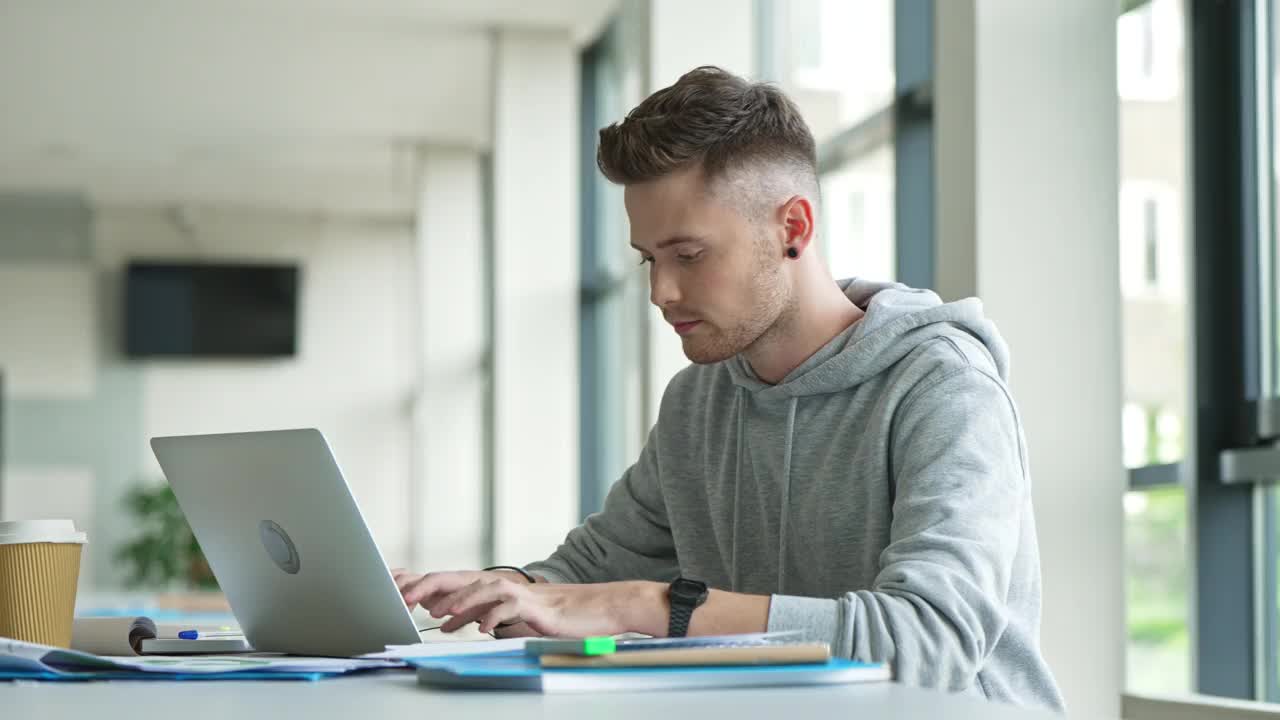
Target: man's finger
pixel 503 612
pixel 453 602
pixel 471 601
pixel 457 622
pixel 514 629
pixel 425 589
pixel 404 580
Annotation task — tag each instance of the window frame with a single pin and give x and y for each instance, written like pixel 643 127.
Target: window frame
pixel 595 285
pixel 610 417
pixel 1232 525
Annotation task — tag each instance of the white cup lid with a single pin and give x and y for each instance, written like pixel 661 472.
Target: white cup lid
pixel 13 532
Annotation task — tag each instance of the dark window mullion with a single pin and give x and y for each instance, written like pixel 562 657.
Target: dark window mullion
pixel 591 379
pixel 913 148
pixel 1224 217
pixel 1153 476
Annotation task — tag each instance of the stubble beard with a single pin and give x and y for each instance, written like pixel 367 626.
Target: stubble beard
pixel 768 311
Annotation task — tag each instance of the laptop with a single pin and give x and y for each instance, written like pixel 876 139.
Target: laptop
pixel 286 542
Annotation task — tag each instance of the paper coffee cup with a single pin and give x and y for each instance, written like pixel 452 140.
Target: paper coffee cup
pixel 39 565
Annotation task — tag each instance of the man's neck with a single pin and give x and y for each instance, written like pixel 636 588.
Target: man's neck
pixel 813 322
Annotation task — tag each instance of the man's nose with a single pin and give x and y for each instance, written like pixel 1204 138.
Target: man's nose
pixel 663 289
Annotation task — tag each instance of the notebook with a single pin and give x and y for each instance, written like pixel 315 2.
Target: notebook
pixel 518 671
pixel 777 654
pixel 123 636
pixel 199 646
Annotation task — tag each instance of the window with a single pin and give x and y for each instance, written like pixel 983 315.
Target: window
pixel 1153 250
pixel 1233 536
pixel 1152 246
pixel 837 60
pixel 857 214
pixel 1156 591
pixel 1149 50
pixel 613 294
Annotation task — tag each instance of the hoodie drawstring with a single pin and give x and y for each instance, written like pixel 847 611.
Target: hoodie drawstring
pixel 786 492
pixel 783 511
pixel 740 401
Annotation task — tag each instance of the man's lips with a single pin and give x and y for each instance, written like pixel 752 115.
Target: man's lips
pixel 685 327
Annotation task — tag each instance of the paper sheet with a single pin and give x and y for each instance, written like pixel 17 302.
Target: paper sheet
pixel 18 656
pixel 446 649
pixel 259 663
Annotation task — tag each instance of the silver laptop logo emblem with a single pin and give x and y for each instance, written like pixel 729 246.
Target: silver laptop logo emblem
pixel 280 547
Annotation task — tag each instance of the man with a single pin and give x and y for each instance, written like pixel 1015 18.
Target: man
pixel 840 458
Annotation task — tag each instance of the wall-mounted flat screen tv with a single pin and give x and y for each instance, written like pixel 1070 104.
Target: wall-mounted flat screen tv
pixel 210 310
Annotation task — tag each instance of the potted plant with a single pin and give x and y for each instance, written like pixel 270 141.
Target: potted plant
pixel 164 552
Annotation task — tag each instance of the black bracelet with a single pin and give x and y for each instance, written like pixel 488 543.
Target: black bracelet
pixel 532 580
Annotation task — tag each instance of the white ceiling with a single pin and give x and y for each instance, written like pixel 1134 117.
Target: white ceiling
pixel 303 105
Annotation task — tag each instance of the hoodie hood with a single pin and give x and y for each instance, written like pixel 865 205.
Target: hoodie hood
pixel 898 319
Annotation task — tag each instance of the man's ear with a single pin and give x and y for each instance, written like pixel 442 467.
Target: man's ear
pixel 798 225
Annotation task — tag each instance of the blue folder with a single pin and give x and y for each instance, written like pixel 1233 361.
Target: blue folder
pixel 518 671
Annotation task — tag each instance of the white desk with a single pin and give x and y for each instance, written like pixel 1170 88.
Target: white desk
pixel 397 696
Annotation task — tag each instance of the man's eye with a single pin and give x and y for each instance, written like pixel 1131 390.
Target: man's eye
pixel 645 259
pixel 689 258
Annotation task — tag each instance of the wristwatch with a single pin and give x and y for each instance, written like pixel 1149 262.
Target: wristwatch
pixel 685 596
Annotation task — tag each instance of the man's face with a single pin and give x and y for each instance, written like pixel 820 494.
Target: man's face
pixel 712 270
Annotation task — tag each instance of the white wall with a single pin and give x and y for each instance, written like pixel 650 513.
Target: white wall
pixel 536 280
pixel 447 498
pixel 352 377
pixel 47 322
pixel 1028 221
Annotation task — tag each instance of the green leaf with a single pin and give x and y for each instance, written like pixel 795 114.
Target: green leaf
pixel 164 551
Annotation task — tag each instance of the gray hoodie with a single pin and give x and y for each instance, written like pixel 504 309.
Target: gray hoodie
pixel 880 493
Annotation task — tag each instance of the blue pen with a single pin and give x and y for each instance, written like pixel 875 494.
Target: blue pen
pixel 196 634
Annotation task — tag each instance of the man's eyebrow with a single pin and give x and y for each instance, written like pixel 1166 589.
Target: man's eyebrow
pixel 675 240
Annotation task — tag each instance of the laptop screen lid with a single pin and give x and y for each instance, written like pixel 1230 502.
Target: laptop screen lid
pixel 286 541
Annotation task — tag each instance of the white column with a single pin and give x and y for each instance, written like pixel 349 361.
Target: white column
pixel 447 496
pixel 536 255
pixel 1027 220
pixel 679 41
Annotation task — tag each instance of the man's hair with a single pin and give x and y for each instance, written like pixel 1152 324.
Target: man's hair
pixel 723 122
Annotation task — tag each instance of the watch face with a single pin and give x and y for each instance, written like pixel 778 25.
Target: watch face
pixel 686 589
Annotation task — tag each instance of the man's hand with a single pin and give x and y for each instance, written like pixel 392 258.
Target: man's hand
pixel 494 598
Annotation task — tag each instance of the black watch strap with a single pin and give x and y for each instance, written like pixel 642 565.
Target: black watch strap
pixel 681 614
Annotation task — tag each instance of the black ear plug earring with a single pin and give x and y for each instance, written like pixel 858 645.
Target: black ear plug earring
pixel 793 253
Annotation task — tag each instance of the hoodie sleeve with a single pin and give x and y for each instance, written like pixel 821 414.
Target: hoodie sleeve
pixel 937 607
pixel 629 539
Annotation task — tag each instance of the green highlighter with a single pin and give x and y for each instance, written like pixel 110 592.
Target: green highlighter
pixel 584 647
